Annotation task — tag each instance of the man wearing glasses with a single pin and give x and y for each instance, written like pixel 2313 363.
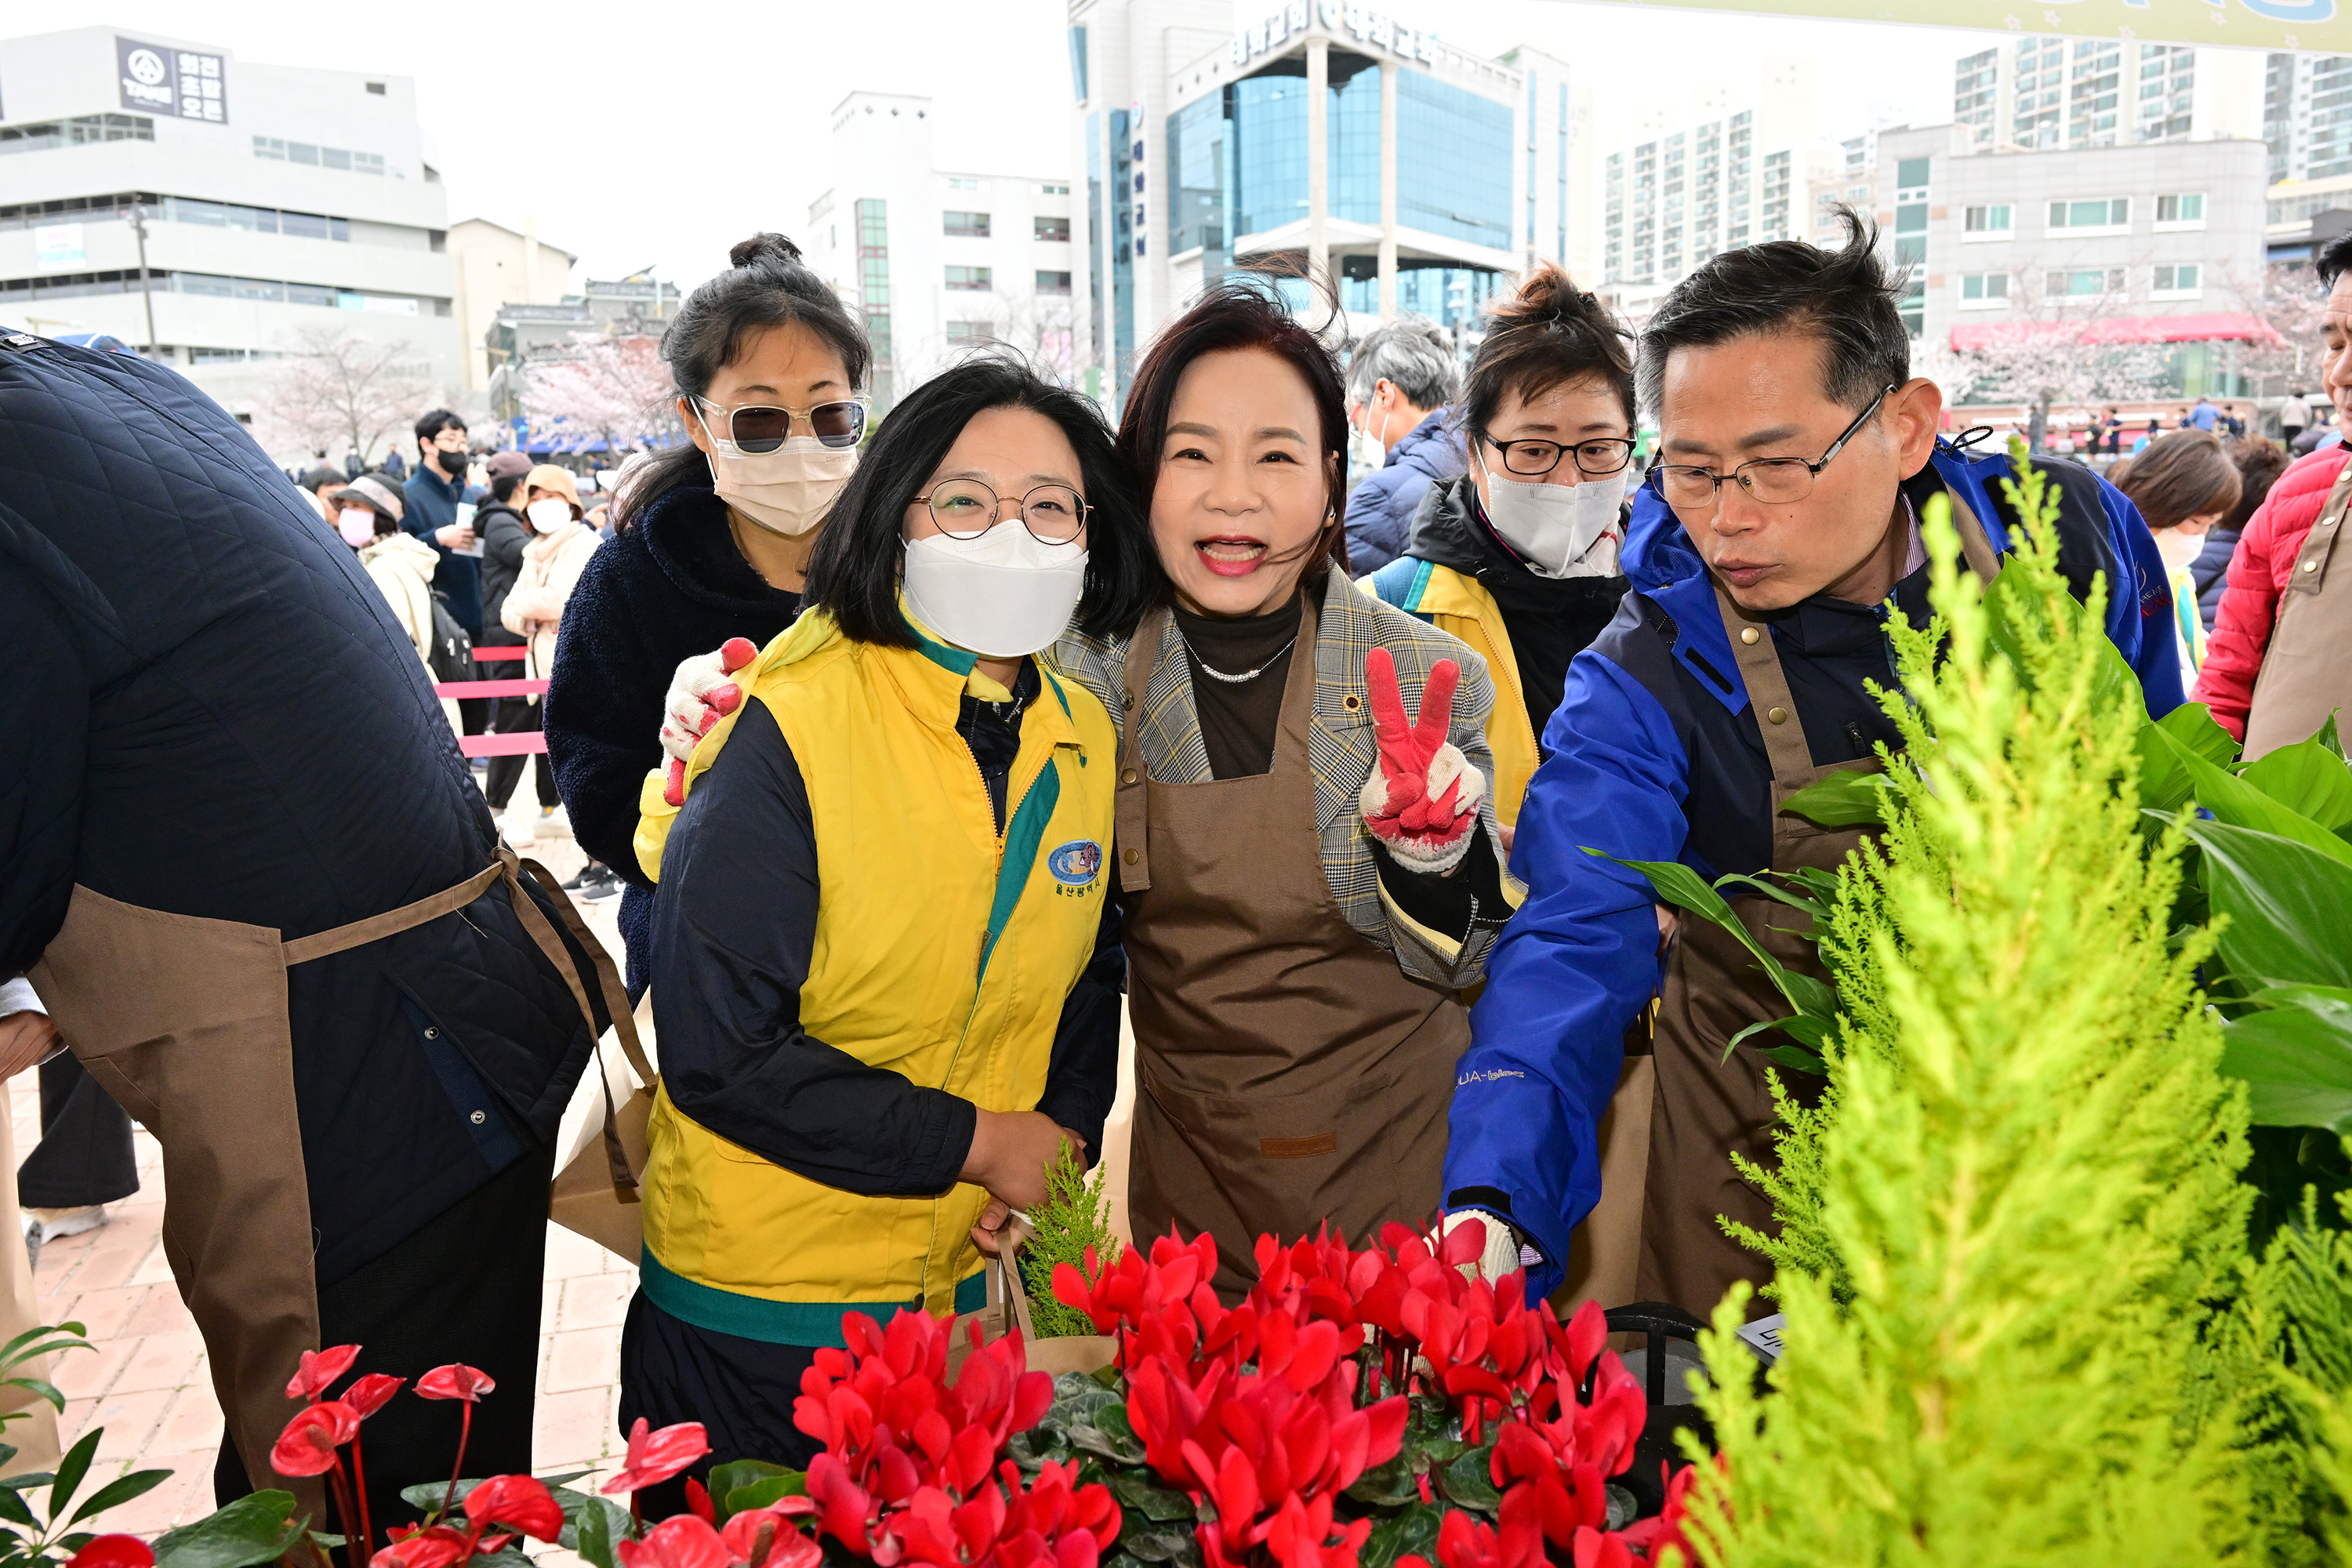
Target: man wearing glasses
pixel 1777 533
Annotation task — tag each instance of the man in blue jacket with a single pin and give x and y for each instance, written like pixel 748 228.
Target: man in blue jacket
pixel 1401 381
pixel 1768 548
pixel 440 512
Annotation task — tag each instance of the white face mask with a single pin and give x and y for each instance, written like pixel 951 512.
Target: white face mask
pixel 1368 452
pixel 549 513
pixel 1566 530
pixel 785 491
pixel 356 525
pixel 1002 594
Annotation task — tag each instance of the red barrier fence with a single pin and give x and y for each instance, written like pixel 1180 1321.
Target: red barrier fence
pixel 497 745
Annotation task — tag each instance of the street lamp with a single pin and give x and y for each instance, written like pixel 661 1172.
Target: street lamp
pixel 138 227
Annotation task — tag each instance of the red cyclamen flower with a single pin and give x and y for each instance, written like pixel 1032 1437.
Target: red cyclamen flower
pixel 655 1457
pixel 455 1381
pixel 319 1370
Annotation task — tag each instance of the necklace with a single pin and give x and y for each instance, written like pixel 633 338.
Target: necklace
pixel 1246 676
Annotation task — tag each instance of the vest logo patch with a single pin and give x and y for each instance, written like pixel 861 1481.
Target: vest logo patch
pixel 1076 863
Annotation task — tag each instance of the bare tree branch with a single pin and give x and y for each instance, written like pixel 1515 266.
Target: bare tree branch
pixel 333 386
pixel 618 387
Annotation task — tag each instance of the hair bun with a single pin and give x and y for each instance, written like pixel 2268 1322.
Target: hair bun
pixel 764 248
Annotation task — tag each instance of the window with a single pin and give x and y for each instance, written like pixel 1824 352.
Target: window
pixel 1911 173
pixel 970 333
pixel 963 183
pixel 1983 290
pixel 377 88
pixel 1055 190
pixel 2179 280
pixel 2106 211
pixel 1056 229
pixel 973 225
pixel 2085 281
pixel 1053 282
pixel 974 279
pixel 1986 223
pixel 81 131
pixel 2187 211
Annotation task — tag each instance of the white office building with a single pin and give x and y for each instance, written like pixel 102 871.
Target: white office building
pixel 938 260
pixel 274 198
pixel 1323 139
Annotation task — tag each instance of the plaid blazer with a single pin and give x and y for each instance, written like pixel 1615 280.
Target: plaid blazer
pixel 1341 749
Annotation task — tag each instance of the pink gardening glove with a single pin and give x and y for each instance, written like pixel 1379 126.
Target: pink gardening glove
pixel 700 696
pixel 1422 799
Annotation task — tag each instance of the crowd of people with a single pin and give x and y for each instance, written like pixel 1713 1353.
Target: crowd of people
pixel 918 754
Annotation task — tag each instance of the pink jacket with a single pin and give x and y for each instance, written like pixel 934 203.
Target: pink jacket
pixel 2258 576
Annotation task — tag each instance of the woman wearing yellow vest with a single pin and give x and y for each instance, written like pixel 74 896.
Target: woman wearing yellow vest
pixel 884 984
pixel 1518 557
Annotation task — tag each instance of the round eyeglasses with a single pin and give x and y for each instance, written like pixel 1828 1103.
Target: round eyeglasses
pixel 1774 480
pixel 966 509
pixel 1595 459
pixel 764 426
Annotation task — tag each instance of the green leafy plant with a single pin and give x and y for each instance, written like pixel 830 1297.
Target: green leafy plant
pixel 1073 1221
pixel 2006 1227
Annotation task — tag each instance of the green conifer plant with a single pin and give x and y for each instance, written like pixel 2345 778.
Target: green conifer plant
pixel 2005 1229
pixel 1075 1216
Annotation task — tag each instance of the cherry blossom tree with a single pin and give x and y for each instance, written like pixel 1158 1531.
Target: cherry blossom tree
pixel 336 389
pixel 2055 350
pixel 618 387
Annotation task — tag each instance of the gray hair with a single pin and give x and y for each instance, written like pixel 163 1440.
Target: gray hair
pixel 1415 355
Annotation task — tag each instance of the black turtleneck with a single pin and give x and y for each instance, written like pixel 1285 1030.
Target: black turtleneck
pixel 1238 720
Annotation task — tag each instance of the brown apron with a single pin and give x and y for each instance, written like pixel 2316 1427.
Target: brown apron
pixel 1707 1109
pixel 185 1021
pixel 1288 1073
pixel 2307 670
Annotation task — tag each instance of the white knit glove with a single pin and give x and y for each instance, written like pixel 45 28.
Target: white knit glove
pixel 1502 1251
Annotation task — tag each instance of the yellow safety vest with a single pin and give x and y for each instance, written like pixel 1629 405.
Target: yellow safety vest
pixel 943 952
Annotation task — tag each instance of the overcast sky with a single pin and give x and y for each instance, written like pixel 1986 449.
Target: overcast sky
pixel 660 134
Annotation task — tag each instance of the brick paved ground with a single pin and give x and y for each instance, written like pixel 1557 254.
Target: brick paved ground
pixel 148 1385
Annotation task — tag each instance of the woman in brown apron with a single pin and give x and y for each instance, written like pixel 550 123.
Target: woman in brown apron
pixel 1297 939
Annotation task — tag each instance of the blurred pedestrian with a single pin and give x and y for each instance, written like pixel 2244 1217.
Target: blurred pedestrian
pixel 323 484
pixel 1401 382
pixel 400 564
pixel 2260 463
pixel 499 524
pixel 2277 667
pixel 532 608
pixel 711 541
pixel 2183 485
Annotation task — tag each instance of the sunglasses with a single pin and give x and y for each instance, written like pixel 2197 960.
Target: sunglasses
pixel 763 427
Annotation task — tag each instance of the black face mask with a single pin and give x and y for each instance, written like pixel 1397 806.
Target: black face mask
pixel 452 463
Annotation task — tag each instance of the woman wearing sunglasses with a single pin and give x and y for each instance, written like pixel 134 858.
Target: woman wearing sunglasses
pixel 712 541
pixel 884 976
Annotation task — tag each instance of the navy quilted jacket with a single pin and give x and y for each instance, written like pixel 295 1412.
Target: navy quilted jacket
pixel 210 712
pixel 670 585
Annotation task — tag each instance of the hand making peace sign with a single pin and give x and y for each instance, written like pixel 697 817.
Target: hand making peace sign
pixel 1422 799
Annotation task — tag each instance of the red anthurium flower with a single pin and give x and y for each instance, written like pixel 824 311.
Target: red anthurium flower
pixel 698 1502
pixel 655 1457
pixel 520 1502
pixel 455 1381
pixel 368 1395
pixel 114 1552
pixel 307 1447
pixel 684 1542
pixel 767 1537
pixel 319 1370
pixel 414 1547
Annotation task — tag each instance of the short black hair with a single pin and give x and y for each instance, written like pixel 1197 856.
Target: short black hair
pixel 1843 298
pixel 324 474
pixel 503 488
pixel 433 424
pixel 854 571
pixel 2334 260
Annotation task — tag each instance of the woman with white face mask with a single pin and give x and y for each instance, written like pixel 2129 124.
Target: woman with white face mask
pixel 711 539
pixel 884 978
pixel 1518 557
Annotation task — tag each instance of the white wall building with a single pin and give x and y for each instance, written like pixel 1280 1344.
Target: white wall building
pixel 275 198
pixel 2040 93
pixel 939 260
pixel 1324 138
pixel 1730 163
pixel 494 267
